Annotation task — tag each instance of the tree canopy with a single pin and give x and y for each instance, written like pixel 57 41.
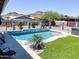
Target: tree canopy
pixel 49 15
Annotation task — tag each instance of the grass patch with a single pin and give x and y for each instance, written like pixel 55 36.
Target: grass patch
pixel 62 48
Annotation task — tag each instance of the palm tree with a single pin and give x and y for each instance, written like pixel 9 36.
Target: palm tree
pixel 21 25
pixel 37 42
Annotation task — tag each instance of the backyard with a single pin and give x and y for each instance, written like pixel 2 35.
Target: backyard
pixel 62 48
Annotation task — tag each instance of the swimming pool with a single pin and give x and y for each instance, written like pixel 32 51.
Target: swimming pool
pixel 27 35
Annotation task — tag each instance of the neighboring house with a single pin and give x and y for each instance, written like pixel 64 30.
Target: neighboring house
pixel 8 18
pixel 16 20
pixel 73 22
pixel 61 23
pixel 23 18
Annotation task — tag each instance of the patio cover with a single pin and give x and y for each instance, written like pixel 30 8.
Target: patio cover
pixel 22 18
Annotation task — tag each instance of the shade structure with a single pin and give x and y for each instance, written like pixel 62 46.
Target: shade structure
pixel 23 18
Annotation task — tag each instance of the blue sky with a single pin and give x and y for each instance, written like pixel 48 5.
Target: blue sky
pixel 67 7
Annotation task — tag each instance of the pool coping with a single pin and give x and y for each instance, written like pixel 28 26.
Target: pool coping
pixel 63 34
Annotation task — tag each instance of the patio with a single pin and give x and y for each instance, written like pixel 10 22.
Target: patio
pixel 15 46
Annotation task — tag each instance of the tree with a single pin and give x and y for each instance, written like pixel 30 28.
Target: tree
pixel 37 42
pixel 21 25
pixel 51 15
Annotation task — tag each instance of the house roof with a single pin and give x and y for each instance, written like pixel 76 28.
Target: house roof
pixel 22 18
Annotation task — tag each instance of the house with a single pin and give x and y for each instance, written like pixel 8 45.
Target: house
pixel 72 22
pixel 23 18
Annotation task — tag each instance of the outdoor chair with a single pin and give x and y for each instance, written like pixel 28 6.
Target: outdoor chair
pixel 6 53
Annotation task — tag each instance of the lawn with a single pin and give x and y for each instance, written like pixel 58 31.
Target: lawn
pixel 62 48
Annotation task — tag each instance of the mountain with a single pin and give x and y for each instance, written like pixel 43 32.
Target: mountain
pixel 11 15
pixel 37 13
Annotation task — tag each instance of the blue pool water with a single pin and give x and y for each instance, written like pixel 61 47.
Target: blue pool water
pixel 28 36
